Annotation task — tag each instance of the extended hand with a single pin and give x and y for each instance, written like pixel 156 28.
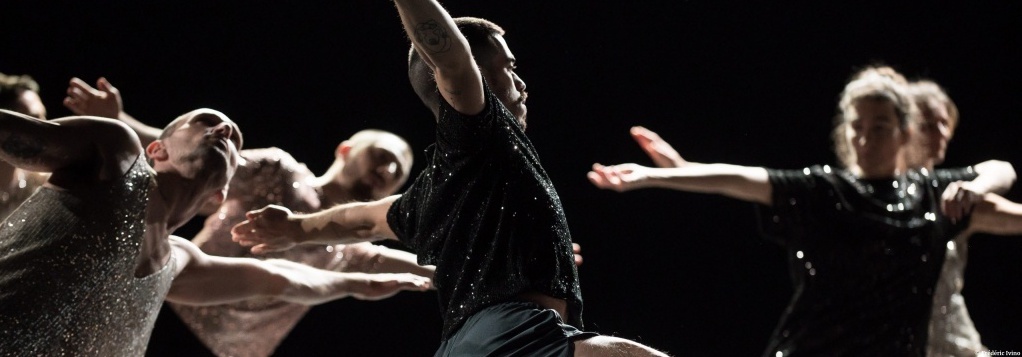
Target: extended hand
pixel 660 151
pixel 382 286
pixel 269 229
pixel 958 199
pixel 619 178
pixel 102 101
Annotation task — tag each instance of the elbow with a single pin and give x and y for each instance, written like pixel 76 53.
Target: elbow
pixel 1001 171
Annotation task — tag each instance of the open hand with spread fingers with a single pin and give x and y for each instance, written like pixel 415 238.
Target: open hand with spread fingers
pixel 102 101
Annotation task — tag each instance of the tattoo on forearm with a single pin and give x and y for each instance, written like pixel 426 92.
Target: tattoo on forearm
pixel 432 36
pixel 22 148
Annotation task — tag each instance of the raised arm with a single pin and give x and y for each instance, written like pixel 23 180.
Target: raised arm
pixel 275 228
pixel 994 214
pixel 992 176
pixel 207 280
pixel 105 101
pixel 74 148
pixel 446 51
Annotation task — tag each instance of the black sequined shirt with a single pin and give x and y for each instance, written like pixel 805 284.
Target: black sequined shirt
pixel 864 257
pixel 486 214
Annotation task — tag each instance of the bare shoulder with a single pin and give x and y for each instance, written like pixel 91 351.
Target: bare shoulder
pixel 98 149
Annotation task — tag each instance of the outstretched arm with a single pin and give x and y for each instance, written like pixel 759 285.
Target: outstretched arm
pixel 992 176
pixel 370 258
pixel 105 101
pixel 446 51
pixel 275 228
pixel 742 182
pixel 207 280
pixel 994 214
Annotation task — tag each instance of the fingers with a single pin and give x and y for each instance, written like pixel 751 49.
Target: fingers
pixel 414 282
pixel 104 85
pixel 81 86
pixel 608 177
pixel 79 94
pixel 642 135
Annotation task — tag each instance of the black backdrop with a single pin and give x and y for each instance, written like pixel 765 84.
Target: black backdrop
pixel 745 83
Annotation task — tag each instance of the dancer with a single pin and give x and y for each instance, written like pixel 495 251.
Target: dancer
pixel 483 211
pixel 951 330
pixel 19 94
pixel 88 260
pixel 371 164
pixel 864 249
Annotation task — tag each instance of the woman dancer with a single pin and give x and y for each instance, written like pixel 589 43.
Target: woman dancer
pixel 865 248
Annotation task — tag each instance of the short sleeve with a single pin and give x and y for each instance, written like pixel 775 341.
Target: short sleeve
pixel 460 133
pixel 791 202
pixel 945 177
pixel 400 217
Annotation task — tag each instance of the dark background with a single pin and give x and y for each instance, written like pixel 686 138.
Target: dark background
pixel 745 83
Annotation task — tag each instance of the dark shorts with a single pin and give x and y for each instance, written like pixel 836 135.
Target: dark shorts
pixel 513 329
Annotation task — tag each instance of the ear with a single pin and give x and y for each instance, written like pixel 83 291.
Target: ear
pixel 343 150
pixel 156 151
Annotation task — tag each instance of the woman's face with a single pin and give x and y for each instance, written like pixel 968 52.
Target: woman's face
pixel 935 129
pixel 876 136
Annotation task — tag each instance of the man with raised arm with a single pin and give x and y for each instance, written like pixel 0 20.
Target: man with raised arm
pixel 483 211
pixel 87 261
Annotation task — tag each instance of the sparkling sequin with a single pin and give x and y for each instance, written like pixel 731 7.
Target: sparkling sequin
pixel 256 327
pixel 23 185
pixel 489 163
pixel 863 254
pixel 67 283
pixel 951 330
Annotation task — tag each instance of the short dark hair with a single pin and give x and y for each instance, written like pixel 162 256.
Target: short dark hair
pixel 478 32
pixel 11 87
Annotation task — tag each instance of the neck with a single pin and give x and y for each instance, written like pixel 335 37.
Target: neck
pixel 333 186
pixel 173 201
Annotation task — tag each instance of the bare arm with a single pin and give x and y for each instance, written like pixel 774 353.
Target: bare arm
pixel 207 280
pixel 275 228
pixel 369 258
pixel 745 183
pixel 446 51
pixel 742 182
pixel 996 215
pixel 78 147
pixel 992 176
pixel 105 101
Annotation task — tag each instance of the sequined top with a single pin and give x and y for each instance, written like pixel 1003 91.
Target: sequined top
pixel 256 327
pixel 67 272
pixel 24 185
pixel 951 331
pixel 486 214
pixel 864 257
